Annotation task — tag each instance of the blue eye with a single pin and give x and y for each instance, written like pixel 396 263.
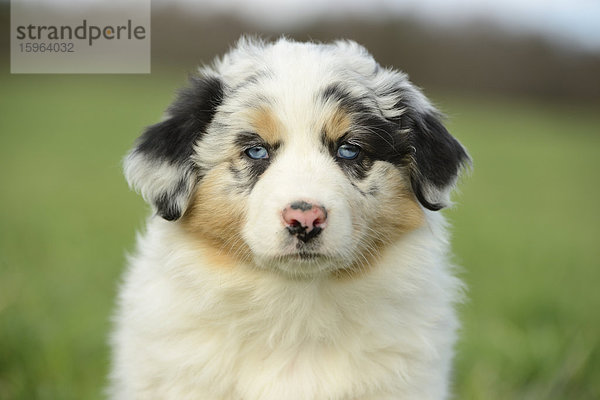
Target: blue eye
pixel 348 151
pixel 257 153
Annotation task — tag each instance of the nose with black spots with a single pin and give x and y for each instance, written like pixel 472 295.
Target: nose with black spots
pixel 304 219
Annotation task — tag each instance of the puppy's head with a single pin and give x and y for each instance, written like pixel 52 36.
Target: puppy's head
pixel 298 157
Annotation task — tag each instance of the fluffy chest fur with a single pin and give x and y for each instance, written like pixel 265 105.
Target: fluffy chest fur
pixel 193 331
pixel 295 251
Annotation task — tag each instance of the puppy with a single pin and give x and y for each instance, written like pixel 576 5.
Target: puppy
pixel 295 251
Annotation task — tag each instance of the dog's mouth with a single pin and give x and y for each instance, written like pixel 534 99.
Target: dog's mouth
pixel 304 256
pixel 301 264
pixel 297 259
pixel 300 256
pixel 300 259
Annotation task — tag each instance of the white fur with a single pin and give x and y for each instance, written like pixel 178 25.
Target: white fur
pixel 187 329
pixel 192 331
pixel 153 178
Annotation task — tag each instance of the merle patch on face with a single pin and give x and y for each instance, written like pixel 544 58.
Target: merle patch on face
pixel 247 170
pixel 416 139
pixel 378 138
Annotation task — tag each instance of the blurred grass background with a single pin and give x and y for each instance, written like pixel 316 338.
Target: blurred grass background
pixel 526 226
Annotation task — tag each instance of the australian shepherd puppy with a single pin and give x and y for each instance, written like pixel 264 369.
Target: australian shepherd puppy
pixel 295 251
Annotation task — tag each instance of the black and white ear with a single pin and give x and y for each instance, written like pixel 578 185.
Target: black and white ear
pixel 160 166
pixel 437 158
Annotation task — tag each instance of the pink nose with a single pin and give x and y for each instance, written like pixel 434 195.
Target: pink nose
pixel 305 220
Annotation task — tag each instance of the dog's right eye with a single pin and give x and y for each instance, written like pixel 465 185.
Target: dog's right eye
pixel 257 153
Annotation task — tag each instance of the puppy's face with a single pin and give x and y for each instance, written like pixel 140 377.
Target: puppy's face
pixel 301 158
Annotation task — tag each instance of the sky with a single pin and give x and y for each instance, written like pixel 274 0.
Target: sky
pixel 571 22
pixel 567 22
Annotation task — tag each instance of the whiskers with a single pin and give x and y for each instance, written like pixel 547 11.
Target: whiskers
pixel 367 250
pixel 235 246
pixel 356 258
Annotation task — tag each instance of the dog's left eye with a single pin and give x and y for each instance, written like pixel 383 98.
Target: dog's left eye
pixel 257 153
pixel 348 151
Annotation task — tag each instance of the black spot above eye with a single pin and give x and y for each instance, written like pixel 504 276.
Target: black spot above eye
pixel 248 140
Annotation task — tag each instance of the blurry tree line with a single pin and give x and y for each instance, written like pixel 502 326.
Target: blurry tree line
pixel 474 58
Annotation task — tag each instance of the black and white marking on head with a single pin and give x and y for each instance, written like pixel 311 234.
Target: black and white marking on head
pixel 160 166
pixel 363 105
pixel 414 137
pixel 437 160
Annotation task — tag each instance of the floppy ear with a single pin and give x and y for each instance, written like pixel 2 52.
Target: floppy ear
pixel 436 160
pixel 159 166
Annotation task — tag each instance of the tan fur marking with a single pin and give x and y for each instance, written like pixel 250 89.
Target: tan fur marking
pixel 266 124
pixel 337 125
pixel 215 218
pixel 399 213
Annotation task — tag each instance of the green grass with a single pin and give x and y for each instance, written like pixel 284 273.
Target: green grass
pixel 526 231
